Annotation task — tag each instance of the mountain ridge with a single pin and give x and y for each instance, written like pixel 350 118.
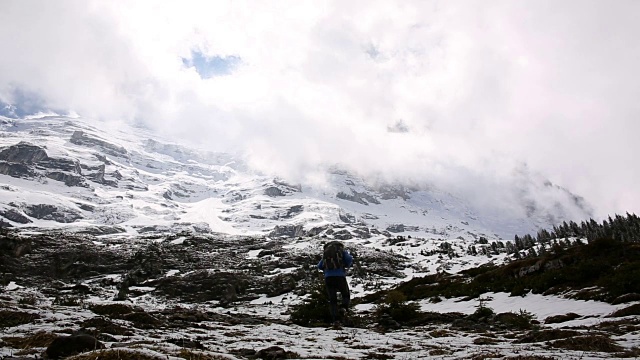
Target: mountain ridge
pixel 126 177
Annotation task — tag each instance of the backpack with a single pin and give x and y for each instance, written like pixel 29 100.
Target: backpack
pixel 332 256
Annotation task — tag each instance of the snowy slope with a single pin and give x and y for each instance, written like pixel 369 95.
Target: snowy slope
pixel 128 178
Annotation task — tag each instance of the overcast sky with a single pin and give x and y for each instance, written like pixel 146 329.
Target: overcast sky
pixel 456 92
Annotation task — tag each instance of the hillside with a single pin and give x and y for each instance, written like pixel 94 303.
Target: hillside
pixel 161 250
pixel 202 296
pixel 59 172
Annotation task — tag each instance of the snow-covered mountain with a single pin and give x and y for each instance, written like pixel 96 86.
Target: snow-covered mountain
pixel 72 173
pixel 152 249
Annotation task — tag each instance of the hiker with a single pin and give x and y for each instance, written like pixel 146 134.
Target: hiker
pixel 334 261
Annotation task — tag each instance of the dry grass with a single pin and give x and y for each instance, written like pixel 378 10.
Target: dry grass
pixel 547 335
pixel 115 354
pixel 112 310
pixel 10 318
pixel 192 355
pixel 485 341
pixel 37 340
pixel 103 325
pixel 599 343
pixel 440 333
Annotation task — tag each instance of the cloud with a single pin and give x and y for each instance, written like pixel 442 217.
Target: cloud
pixel 481 87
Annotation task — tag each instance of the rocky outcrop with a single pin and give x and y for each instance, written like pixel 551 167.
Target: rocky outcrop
pixel 16 170
pixel 52 212
pixel 287 230
pixel 62 164
pixel 67 179
pixel 81 138
pixel 15 216
pixel 358 197
pixel 396 228
pixel 23 153
pixel 273 191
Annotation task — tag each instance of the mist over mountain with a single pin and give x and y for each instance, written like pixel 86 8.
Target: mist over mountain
pixel 62 171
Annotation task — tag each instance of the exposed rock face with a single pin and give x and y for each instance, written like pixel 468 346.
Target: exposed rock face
pixel 396 228
pixel 358 197
pixel 15 216
pixel 16 170
pixel 23 153
pixel 51 212
pixel 63 164
pixel 67 179
pixel 273 191
pixel 287 230
pixel 80 138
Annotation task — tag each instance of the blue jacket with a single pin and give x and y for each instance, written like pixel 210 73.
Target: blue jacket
pixel 348 261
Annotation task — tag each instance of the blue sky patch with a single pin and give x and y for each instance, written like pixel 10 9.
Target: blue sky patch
pixel 210 66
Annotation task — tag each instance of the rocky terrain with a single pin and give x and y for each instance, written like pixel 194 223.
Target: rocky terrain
pixel 117 244
pixel 209 296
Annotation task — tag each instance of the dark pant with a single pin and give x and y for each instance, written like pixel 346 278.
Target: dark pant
pixel 337 284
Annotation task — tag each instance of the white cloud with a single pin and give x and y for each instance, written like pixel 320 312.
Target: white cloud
pixel 481 86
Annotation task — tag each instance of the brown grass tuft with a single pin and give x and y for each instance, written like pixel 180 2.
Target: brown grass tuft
pixel 599 343
pixel 37 340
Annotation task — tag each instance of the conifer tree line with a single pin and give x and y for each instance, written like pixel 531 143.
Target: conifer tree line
pixel 621 228
pixel 565 235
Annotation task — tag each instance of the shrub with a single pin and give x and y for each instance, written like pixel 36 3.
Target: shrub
pixel 523 320
pixel 315 310
pixel 395 305
pixel 9 318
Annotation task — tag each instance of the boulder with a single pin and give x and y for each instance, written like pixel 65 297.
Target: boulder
pixel 65 346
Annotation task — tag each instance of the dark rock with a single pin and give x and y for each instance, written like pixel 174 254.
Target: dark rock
pixel 66 178
pixel 396 228
pixel 347 218
pixel 14 246
pixel 80 138
pixel 343 234
pixel 293 211
pixel 287 230
pixel 273 353
pixel 4 224
pixel 203 286
pixel 556 319
pixel 63 164
pixel 15 216
pixel 186 343
pixel 16 170
pixel 51 212
pixel 626 298
pixel 62 347
pixel 317 230
pixel 273 191
pixel 361 198
pixel 23 153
